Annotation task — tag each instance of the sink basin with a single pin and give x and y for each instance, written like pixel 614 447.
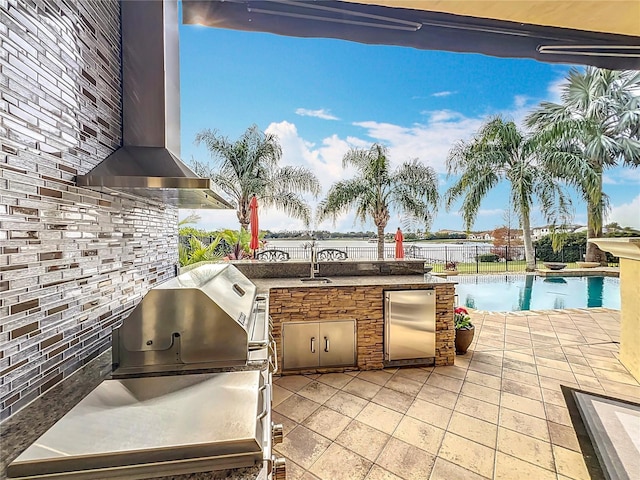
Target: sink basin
pixel 316 280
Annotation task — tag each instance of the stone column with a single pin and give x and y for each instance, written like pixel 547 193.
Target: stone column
pixel 628 250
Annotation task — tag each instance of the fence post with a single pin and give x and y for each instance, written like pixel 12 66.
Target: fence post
pixel 506 258
pixel 446 259
pixel 477 261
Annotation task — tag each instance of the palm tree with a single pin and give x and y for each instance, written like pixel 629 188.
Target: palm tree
pixel 250 166
pixel 596 126
pixel 500 152
pixel 411 189
pixel 193 217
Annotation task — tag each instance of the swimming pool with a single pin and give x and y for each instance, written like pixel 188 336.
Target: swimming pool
pixel 507 293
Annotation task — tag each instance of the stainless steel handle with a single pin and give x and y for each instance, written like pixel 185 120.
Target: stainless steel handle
pixel 266 401
pixel 326 344
pixel 273 358
pixel 257 345
pixel 313 344
pixel 238 289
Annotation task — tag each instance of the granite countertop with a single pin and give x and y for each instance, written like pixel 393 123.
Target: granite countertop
pixel 265 284
pixel 24 427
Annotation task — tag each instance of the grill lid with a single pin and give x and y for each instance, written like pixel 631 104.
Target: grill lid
pixel 203 316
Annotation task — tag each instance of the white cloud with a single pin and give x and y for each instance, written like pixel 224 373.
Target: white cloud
pixel 622 176
pixel 632 175
pixel 429 142
pixel 520 101
pixel 626 214
pixel 321 113
pixel 325 160
pixel 445 93
pixel 554 90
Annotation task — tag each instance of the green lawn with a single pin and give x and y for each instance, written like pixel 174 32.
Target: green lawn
pixel 493 267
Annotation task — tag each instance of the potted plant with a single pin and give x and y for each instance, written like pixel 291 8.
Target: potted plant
pixel 451 268
pixel 464 330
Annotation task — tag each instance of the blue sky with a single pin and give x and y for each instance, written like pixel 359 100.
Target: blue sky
pixel 324 96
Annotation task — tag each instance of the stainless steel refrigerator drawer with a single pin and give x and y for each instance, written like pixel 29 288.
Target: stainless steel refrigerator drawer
pixel 318 344
pixel 410 324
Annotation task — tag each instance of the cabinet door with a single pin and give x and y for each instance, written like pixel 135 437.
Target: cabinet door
pixel 300 345
pixel 337 343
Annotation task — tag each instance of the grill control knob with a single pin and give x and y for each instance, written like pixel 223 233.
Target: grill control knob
pixel 279 469
pixel 278 433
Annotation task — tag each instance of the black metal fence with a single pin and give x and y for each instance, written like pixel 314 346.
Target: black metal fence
pixel 467 258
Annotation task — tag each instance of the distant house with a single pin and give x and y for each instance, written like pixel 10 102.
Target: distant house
pixel 538 232
pixel 480 236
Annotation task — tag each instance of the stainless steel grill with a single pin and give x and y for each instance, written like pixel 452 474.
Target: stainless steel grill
pixel 205 318
pixel 176 402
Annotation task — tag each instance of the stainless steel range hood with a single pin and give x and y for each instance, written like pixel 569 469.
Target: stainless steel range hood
pixel 148 162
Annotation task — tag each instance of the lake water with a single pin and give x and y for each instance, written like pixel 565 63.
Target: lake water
pixel 362 249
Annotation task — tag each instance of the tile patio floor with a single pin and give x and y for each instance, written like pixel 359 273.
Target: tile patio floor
pixel 498 413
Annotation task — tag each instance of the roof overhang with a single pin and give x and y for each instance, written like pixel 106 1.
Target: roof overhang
pixel 600 33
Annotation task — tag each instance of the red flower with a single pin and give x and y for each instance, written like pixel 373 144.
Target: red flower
pixel 461 310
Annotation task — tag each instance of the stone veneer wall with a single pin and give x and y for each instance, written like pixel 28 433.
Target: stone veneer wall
pixel 72 260
pixel 365 305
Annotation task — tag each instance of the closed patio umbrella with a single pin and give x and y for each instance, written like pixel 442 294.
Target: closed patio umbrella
pixel 253 219
pixel 399 248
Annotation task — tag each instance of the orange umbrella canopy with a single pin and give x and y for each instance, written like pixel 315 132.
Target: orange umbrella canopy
pixel 399 248
pixel 253 219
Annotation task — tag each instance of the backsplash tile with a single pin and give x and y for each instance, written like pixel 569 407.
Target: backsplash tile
pixel 73 261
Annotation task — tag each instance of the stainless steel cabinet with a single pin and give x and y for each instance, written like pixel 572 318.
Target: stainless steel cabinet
pixel 409 324
pixel 318 344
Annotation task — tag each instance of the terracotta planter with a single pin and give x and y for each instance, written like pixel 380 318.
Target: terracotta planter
pixel 451 272
pixel 464 337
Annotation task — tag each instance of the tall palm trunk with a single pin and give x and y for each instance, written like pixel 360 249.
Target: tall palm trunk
pixel 594 226
pixel 594 230
pixel 528 244
pixel 243 214
pixel 381 242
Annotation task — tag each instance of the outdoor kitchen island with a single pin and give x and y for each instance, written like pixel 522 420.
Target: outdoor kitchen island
pixel 359 299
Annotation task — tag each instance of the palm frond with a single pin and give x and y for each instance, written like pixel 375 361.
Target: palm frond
pixel 342 196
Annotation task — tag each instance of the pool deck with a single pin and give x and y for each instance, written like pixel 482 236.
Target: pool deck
pixel 498 413
pixel 580 272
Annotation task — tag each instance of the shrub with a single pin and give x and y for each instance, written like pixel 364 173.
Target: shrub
pixel 572 250
pixel 487 258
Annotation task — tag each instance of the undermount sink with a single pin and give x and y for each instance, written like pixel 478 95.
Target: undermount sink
pixel 316 280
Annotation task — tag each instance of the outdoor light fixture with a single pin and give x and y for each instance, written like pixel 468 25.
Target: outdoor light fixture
pixel 630 51
pixel 360 17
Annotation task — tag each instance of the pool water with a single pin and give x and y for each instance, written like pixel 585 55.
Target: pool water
pixel 508 293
